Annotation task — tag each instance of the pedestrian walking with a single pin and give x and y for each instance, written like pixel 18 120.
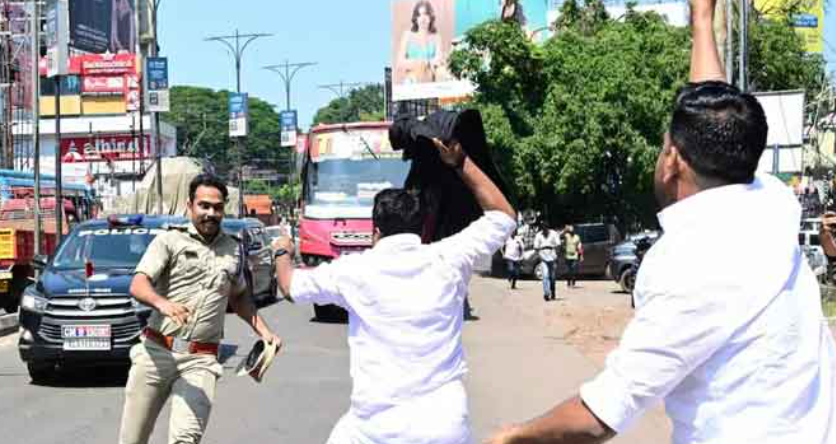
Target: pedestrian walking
pixel 513 253
pixel 729 330
pixel 546 243
pixel 188 275
pixel 572 254
pixel 405 313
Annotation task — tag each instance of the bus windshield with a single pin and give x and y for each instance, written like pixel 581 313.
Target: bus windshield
pixel 347 170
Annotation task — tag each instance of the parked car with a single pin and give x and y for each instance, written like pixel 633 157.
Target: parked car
pixel 80 311
pixel 623 257
pixel 259 270
pixel 597 238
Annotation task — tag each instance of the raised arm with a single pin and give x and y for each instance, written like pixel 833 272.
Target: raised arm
pixel 487 194
pixel 705 60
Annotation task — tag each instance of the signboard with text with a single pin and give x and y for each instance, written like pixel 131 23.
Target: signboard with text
pixel 104 148
pixel 238 109
pixel 57 38
pixel 289 125
pixel 157 75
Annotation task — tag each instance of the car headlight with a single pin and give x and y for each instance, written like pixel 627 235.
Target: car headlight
pixel 33 303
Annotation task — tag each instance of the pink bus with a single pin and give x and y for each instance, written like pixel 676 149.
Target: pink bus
pixel 345 166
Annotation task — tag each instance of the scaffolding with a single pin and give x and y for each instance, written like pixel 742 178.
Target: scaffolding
pixel 16 116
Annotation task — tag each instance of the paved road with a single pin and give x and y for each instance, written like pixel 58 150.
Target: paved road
pixel 518 370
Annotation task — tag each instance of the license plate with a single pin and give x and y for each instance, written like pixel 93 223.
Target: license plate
pixel 86 337
pixel 347 251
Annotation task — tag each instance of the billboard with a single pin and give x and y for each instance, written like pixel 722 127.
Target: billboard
pixel 424 33
pixel 104 148
pixel 57 50
pixel 785 116
pixel 238 109
pixel 157 74
pixel 808 22
pixel 289 127
pixel 99 26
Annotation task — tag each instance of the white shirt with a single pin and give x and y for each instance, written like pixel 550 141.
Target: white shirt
pixel 729 329
pixel 513 249
pixel 405 306
pixel 549 245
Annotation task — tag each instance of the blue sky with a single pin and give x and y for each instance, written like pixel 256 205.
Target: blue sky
pixel 349 39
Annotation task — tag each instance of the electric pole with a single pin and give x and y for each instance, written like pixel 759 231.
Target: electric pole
pixel 236 50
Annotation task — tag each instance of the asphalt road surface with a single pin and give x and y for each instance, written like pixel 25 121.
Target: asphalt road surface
pixel 517 370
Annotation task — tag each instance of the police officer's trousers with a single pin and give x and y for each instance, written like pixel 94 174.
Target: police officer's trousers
pixel 157 374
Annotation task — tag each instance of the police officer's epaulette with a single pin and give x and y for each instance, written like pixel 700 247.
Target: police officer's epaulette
pixel 171 226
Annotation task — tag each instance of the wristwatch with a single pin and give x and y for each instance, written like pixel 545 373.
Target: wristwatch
pixel 279 253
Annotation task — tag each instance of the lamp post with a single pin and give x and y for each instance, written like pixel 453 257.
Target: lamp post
pixel 236 49
pixel 287 71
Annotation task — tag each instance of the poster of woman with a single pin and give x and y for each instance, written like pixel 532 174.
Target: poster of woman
pixel 421 41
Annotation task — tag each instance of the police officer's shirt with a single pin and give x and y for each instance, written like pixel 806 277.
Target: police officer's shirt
pixel 199 275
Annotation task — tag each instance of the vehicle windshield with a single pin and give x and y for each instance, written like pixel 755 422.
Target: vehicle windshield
pixel 106 248
pixel 353 182
pixel 346 170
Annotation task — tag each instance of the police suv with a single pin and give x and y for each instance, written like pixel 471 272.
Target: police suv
pixel 80 310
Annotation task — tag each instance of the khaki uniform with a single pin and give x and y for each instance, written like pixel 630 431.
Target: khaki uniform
pixel 188 271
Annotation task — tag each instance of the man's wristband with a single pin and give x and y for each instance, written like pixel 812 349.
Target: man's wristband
pixel 279 253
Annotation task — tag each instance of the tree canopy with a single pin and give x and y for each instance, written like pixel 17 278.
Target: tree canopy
pixel 364 104
pixel 576 123
pixel 201 118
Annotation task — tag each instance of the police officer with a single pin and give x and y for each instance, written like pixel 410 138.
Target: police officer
pixel 187 275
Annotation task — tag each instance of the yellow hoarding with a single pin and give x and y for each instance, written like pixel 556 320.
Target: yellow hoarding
pixel 808 21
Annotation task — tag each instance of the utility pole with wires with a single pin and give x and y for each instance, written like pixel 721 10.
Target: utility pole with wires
pixel 236 49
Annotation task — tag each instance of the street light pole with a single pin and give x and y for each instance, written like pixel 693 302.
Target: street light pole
pixel 158 155
pixel 284 70
pixel 36 117
pixel 744 45
pixel 236 50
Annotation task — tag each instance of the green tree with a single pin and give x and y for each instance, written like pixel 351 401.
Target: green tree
pixel 201 118
pixel 576 123
pixel 364 104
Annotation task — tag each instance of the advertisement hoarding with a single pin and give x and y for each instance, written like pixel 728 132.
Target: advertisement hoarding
pixel 808 22
pixel 99 26
pixel 238 109
pixel 424 33
pixel 57 38
pixel 103 148
pixel 103 86
pixel 289 125
pixel 157 75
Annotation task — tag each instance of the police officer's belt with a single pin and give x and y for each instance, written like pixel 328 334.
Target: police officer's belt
pixel 200 348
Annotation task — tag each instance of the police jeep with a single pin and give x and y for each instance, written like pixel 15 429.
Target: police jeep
pixel 80 310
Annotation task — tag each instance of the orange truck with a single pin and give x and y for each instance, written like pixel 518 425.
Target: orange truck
pixel 17 243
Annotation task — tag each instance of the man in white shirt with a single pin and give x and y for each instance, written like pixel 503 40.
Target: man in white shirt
pixel 729 329
pixel 513 253
pixel 547 242
pixel 405 308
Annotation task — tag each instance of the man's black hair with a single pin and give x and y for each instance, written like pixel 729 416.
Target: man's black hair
pixel 719 131
pixel 207 180
pixel 397 211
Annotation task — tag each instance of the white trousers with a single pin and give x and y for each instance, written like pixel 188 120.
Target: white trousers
pixel 439 417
